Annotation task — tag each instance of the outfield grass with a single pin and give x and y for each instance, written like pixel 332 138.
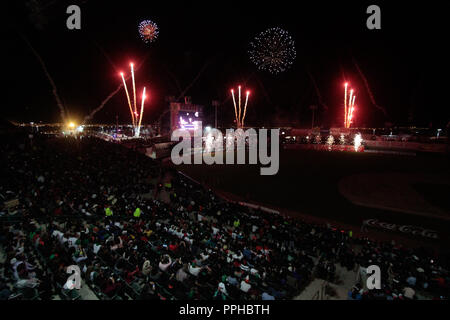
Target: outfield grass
pixel 307 182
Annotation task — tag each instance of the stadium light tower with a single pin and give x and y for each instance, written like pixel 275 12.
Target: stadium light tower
pixel 215 104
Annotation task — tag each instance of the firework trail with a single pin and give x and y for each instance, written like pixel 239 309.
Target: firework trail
pixel 239 88
pixel 245 107
pixel 105 54
pixel 238 114
pixel 319 96
pixel 137 117
pixel 353 105
pixel 366 83
pixel 195 79
pixel 100 107
pixel 112 94
pixel 350 111
pixel 351 97
pixel 128 99
pixel 349 108
pixel 345 106
pixel 134 88
pixel 55 92
pixel 142 112
pixel 227 98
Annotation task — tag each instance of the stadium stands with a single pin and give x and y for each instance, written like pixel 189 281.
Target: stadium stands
pixel 194 246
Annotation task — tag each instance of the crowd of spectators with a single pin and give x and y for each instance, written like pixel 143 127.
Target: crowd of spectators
pixel 98 205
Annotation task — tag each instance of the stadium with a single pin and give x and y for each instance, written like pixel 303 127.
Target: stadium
pixel 162 190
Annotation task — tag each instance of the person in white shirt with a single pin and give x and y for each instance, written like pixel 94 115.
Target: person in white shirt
pixel 409 293
pixel 245 285
pixel 194 270
pixel 204 256
pixel 165 263
pixel 238 257
pixel 96 248
pixel 72 242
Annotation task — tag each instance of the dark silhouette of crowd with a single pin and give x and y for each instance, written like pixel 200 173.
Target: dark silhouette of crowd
pixel 138 230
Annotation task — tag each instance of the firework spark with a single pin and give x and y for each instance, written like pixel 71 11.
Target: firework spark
pixel 135 116
pixel 273 50
pixel 142 112
pixel 345 106
pixel 134 88
pixel 240 116
pixel 110 96
pixel 239 88
pixel 59 102
pixel 352 108
pixel 148 30
pixel 245 107
pixel 104 102
pixel 366 84
pixel 349 107
pixel 128 98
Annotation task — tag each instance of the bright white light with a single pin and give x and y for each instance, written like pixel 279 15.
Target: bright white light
pixel 357 141
pixel 330 140
pixel 209 143
pixel 196 124
pixel 182 121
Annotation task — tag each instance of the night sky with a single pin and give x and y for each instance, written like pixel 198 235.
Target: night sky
pixel 401 61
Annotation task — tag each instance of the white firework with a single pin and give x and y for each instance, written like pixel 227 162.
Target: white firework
pixel 273 50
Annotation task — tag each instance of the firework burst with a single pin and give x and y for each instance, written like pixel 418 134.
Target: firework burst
pixel 273 50
pixel 148 30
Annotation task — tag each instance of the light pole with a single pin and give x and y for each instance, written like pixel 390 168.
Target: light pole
pixel 117 124
pixel 313 108
pixel 215 104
